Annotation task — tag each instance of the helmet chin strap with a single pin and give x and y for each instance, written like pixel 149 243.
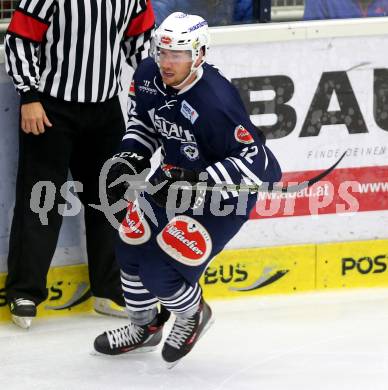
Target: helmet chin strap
pixel 193 70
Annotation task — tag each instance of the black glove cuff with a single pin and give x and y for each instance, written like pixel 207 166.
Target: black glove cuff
pixel 137 160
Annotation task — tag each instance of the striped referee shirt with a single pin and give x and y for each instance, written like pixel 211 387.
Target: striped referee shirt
pixel 73 49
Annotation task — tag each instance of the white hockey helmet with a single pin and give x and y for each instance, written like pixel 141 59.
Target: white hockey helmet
pixel 181 31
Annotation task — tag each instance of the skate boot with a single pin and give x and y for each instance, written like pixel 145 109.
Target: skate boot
pixel 185 333
pixel 108 307
pixel 22 311
pixel 132 337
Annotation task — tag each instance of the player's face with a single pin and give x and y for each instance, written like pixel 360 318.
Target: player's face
pixel 175 65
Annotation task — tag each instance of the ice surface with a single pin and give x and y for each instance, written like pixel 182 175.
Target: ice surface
pixel 308 341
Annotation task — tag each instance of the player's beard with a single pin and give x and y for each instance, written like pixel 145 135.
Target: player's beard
pixel 183 80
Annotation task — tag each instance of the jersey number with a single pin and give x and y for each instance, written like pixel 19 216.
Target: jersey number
pixel 249 152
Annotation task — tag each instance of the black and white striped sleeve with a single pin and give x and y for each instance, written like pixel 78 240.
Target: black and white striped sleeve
pixel 137 41
pixel 25 34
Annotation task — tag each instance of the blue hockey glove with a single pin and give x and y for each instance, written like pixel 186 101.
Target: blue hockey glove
pixel 125 163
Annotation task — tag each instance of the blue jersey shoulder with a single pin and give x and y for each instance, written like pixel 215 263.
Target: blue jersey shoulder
pixel 219 102
pixel 217 92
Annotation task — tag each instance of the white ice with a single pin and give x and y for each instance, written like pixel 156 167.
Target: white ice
pixel 325 341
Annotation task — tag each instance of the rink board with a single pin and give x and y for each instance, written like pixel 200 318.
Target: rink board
pixel 352 264
pixel 244 272
pixel 68 289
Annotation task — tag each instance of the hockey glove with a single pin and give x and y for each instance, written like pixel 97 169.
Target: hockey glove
pixel 125 163
pixel 171 174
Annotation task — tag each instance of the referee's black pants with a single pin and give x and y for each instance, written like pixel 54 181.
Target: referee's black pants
pixel 83 137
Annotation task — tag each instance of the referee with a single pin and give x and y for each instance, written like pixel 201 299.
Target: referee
pixel 65 60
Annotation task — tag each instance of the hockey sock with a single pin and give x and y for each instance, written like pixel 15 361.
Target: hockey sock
pixel 140 303
pixel 185 302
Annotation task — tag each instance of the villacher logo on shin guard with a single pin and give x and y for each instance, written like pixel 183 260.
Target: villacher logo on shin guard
pixel 134 230
pixel 186 240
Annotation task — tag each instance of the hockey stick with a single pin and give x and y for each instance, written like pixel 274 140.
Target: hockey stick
pixel 264 187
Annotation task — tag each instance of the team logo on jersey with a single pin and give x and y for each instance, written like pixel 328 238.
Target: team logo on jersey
pixel 134 230
pixel 188 112
pixel 190 150
pixel 170 130
pixel 242 135
pixel 186 241
pixel 166 40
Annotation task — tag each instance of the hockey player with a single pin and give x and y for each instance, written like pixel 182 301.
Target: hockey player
pixel 185 106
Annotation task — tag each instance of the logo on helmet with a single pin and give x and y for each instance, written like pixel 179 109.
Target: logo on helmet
pixel 198 25
pixel 166 40
pixel 196 44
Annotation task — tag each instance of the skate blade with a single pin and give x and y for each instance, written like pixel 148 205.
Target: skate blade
pixel 207 327
pixel 170 365
pixel 133 352
pixel 22 322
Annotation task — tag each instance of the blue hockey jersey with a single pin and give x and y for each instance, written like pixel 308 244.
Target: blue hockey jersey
pixel 203 127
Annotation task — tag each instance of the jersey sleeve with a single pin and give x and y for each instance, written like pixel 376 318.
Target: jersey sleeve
pixel 243 158
pixel 140 135
pixel 25 33
pixel 137 40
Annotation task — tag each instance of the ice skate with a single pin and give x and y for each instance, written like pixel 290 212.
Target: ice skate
pixel 22 312
pixel 132 337
pixel 185 333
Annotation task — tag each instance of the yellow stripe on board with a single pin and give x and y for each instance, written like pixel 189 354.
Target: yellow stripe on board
pixel 67 286
pixel 247 272
pixel 244 272
pixel 352 264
